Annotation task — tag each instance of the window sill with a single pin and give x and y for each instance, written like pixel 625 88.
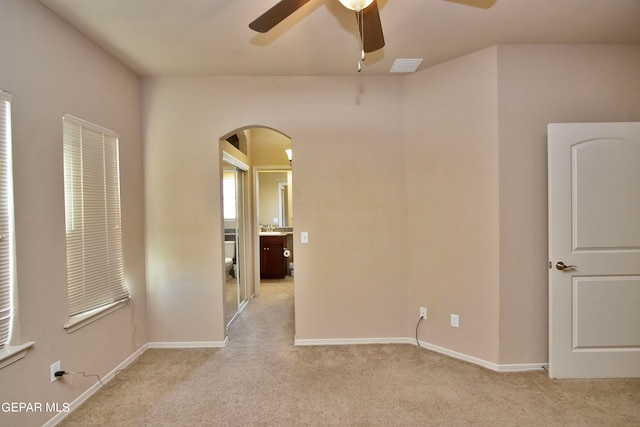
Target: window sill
pixel 81 320
pixel 13 353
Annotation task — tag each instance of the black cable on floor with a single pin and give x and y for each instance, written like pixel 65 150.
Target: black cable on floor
pixel 83 373
pixel 418 324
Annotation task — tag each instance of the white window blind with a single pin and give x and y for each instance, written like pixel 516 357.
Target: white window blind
pixel 7 270
pixel 92 202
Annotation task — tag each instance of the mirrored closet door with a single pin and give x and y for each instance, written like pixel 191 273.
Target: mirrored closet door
pixel 234 260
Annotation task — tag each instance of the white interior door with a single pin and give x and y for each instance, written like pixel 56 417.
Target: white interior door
pixel 594 230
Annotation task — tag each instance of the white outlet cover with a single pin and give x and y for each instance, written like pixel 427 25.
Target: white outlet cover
pixel 55 367
pixel 455 321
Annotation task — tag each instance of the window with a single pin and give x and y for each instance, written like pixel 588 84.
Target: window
pixel 7 239
pixel 229 192
pixel 95 269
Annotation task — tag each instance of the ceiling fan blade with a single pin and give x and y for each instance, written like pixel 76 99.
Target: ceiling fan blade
pixel 276 14
pixel 482 4
pixel 372 31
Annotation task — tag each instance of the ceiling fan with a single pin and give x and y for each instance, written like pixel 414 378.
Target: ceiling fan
pixel 366 13
pixel 367 17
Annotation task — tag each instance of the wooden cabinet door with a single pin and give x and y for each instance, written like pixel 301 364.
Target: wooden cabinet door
pixel 273 264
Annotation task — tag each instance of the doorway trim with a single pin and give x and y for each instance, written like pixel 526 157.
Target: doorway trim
pixel 226 157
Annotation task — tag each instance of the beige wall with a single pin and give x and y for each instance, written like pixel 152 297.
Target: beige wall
pixel 453 202
pixel 477 186
pixel 457 167
pixel 349 195
pixel 50 70
pixel 540 85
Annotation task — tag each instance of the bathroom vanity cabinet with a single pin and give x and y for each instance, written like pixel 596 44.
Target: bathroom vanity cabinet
pixel 273 264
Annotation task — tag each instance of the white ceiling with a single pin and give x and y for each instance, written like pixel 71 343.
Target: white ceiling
pixel 212 37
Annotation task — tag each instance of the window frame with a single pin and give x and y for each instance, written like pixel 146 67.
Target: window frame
pixel 93 222
pixel 10 351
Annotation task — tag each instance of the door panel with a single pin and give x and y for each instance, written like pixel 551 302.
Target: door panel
pixel 606 312
pixel 594 227
pixel 606 175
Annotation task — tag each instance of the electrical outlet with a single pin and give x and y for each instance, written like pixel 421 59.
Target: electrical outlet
pixel 423 312
pixel 455 320
pixel 55 367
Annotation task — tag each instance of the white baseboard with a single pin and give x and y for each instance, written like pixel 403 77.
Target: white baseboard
pixel 484 363
pixel 187 344
pixel 351 341
pixel 524 367
pixel 403 340
pixel 460 356
pixel 94 388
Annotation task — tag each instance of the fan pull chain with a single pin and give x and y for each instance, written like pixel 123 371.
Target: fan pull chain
pixel 360 20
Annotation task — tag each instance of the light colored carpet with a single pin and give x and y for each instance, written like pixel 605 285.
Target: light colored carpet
pixel 261 379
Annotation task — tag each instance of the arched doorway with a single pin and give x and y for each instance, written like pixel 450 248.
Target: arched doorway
pixel 262 200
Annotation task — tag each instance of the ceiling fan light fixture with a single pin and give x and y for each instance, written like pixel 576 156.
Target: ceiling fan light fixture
pixel 356 5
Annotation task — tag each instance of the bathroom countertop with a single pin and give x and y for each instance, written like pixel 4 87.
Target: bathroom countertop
pixel 275 233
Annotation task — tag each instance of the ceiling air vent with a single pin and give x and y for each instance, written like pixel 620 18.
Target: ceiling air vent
pixel 406 65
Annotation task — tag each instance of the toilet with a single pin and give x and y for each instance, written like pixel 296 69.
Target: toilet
pixel 229 255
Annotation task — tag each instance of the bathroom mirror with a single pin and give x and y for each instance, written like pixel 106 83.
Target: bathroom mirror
pixel 275 206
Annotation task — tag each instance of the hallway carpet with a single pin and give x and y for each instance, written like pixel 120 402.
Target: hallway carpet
pixel 261 379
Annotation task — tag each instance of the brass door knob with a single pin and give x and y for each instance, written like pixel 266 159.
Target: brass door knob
pixel 562 266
